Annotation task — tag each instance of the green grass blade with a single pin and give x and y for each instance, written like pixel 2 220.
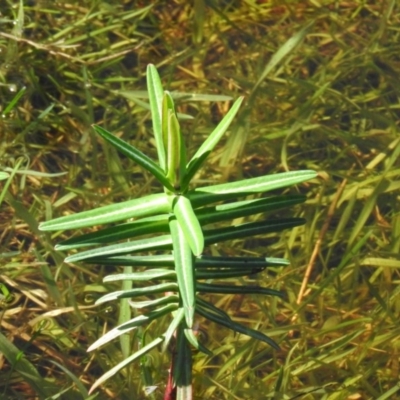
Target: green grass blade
pixel 366 211
pixel 14 101
pixel 156 95
pixel 189 224
pixel 134 154
pixel 126 362
pixel 283 51
pixel 149 205
pixel 389 394
pixel 6 185
pixel 80 386
pixel 32 172
pixel 184 270
pixel 42 388
pixel 209 144
pixel 334 273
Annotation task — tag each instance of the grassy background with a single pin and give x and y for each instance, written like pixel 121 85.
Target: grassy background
pixel 332 104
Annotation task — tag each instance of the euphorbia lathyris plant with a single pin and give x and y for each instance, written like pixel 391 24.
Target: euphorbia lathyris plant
pixel 177 221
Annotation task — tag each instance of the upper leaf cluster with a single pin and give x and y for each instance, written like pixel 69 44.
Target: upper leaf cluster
pixel 177 221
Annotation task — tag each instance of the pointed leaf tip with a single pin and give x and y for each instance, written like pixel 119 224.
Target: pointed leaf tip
pixel 209 144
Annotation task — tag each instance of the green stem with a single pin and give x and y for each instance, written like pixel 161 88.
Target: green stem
pixel 125 315
pixel 183 367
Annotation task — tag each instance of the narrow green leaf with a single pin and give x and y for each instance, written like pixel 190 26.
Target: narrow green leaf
pixel 149 205
pixel 135 155
pixel 136 261
pixel 101 255
pixel 184 270
pixel 96 255
pixel 176 150
pixel 238 262
pixel 166 104
pixel 169 333
pixel 132 324
pixel 172 142
pixel 159 224
pixel 249 229
pixel 168 108
pixel 230 211
pixel 237 327
pixel 143 226
pixel 122 294
pixel 228 289
pixel 226 273
pixel 201 262
pixel 126 362
pixel 156 94
pixel 142 276
pixel 209 144
pixel 192 339
pixel 231 190
pixel 172 298
pixel 190 336
pixel 219 313
pixel 189 224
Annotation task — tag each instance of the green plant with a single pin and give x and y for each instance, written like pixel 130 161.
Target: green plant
pixel 174 222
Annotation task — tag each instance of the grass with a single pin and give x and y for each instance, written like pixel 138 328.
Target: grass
pixel 331 104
